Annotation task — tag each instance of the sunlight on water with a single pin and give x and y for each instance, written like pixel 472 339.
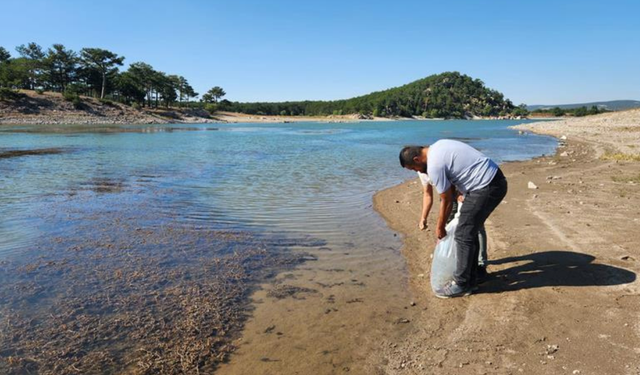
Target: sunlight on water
pixel 297 179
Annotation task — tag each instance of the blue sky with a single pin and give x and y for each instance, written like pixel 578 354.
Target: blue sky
pixel 536 52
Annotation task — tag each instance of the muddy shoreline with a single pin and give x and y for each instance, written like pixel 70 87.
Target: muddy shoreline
pixel 563 296
pixel 118 295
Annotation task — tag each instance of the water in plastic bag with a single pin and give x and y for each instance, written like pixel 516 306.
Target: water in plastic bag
pixel 444 257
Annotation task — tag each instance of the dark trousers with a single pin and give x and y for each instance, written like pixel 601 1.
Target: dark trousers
pixel 477 207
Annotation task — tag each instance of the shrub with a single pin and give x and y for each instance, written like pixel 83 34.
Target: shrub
pixel 77 103
pixel 8 94
pixel 135 105
pixel 211 108
pixel 70 96
pixel 108 102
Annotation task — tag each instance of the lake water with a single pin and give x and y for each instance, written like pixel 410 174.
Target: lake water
pixel 306 186
pixel 308 178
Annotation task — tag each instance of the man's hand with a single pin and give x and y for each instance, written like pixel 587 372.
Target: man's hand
pixel 441 233
pixel 422 224
pixel 446 200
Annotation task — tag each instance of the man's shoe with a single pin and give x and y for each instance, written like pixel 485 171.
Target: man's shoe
pixel 452 290
pixel 481 274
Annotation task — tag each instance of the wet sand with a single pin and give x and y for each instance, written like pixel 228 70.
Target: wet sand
pixel 563 296
pixel 326 316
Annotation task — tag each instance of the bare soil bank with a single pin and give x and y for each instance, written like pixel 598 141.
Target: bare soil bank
pixel 563 297
pixel 32 108
pixel 49 108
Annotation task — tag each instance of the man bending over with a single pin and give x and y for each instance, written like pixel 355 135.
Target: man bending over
pixel 454 165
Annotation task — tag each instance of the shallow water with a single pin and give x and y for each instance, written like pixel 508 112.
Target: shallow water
pixel 309 178
pixel 304 187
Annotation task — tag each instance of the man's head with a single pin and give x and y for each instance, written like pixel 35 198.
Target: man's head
pixel 414 158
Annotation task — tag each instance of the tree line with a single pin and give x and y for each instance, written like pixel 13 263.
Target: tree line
pixel 445 95
pixel 577 112
pixel 95 72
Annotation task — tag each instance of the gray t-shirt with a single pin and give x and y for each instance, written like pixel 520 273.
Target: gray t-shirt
pixel 453 162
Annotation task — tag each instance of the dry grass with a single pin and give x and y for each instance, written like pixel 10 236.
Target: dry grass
pixel 620 157
pixel 627 179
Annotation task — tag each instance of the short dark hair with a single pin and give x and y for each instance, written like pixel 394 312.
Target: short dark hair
pixel 408 153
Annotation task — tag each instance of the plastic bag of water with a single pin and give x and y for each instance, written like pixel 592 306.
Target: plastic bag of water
pixel 444 257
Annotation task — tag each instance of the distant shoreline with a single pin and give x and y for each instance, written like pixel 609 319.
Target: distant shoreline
pixel 32 108
pixel 48 108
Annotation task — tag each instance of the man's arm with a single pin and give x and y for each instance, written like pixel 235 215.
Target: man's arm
pixel 427 202
pixel 446 202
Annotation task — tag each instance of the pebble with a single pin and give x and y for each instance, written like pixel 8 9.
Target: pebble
pixel 531 185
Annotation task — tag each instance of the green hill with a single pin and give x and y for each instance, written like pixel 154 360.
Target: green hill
pixel 445 95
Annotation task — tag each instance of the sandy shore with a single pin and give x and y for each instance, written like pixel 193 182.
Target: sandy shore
pixel 563 297
pixel 232 117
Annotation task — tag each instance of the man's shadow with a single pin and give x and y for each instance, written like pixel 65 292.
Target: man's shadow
pixel 554 268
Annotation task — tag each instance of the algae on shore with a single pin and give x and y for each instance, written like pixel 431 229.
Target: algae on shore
pixel 131 299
